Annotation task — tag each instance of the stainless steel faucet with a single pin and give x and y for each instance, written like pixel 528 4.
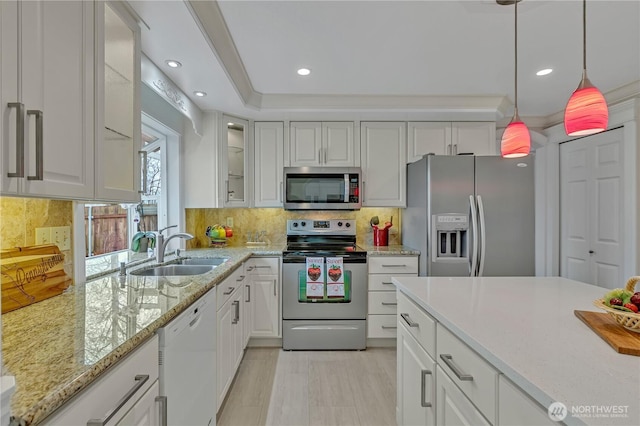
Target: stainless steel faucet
pixel 161 244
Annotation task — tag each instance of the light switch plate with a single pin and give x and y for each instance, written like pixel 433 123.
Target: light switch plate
pixel 230 222
pixel 61 236
pixel 43 236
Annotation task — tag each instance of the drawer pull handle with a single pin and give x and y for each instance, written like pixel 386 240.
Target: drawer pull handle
pixel 228 292
pixel 409 321
pixel 448 359
pixel 162 400
pixel 394 266
pixel 389 327
pixel 423 381
pixel 141 379
pixel 389 303
pixel 248 300
pixel 19 139
pixel 387 283
pixel 236 303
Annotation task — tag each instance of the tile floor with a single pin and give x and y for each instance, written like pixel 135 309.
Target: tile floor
pixel 313 388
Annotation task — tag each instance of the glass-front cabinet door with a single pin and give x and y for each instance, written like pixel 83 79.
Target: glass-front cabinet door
pixel 118 126
pixel 234 159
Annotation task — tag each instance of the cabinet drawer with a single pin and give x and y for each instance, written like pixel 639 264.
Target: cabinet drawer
pixel 420 324
pixel 381 326
pixel 393 265
pixel 516 408
pixel 469 371
pixel 383 302
pixel 452 406
pixel 382 282
pixel 225 290
pixel 262 266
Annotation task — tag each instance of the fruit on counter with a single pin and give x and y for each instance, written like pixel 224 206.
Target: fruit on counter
pixel 228 231
pixel 635 299
pixel 632 307
pixel 615 301
pixel 618 293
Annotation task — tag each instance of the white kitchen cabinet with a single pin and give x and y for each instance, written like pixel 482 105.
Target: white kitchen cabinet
pixel 319 144
pixel 200 165
pixel 382 306
pixel 234 162
pixel 516 408
pixel 452 406
pixel 118 135
pixel 383 159
pixel 269 164
pixel 47 97
pixel 264 277
pixel 417 382
pixel 136 373
pixel 229 338
pixel 450 138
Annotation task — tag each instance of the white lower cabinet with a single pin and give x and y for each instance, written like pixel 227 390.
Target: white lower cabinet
pixel 416 382
pixel 452 406
pixel 263 274
pixel 516 408
pixel 127 394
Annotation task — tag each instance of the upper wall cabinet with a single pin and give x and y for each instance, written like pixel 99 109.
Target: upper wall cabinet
pixel 118 172
pixel 269 164
pixel 319 144
pixel 450 138
pixel 234 162
pixel 384 154
pixel 199 156
pixel 47 98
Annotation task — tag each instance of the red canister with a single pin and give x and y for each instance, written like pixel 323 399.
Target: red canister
pixel 380 236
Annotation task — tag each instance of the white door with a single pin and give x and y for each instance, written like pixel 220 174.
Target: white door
pixel 591 209
pixel 225 353
pixel 264 305
pixel 477 138
pixel 425 137
pixel 416 382
pixel 337 144
pixel 145 412
pixel 269 163
pixel 306 144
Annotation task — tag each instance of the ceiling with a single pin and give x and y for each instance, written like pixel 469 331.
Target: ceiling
pixel 420 57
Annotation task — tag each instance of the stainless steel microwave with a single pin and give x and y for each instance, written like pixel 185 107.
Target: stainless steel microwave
pixel 322 188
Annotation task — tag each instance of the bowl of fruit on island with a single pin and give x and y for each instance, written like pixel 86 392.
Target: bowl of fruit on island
pixel 623 305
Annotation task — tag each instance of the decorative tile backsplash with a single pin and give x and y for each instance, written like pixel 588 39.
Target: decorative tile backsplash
pixel 247 221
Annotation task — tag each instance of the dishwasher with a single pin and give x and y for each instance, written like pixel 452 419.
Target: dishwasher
pixel 188 362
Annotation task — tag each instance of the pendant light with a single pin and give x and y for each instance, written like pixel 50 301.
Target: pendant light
pixel 586 112
pixel 516 141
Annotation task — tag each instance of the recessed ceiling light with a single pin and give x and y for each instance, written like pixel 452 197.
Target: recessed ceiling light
pixel 545 71
pixel 304 71
pixel 200 94
pixel 172 63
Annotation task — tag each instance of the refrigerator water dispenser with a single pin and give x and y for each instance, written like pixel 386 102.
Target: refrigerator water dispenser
pixel 450 242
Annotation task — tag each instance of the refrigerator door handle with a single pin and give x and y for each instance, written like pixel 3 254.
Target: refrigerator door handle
pixel 474 228
pixel 483 238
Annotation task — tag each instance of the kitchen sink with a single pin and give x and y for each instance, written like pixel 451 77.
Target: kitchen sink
pixel 174 270
pixel 212 261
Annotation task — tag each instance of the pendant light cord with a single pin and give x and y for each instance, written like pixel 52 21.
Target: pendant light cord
pixel 516 58
pixel 584 36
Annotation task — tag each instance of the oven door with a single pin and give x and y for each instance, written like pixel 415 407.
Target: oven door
pixel 296 304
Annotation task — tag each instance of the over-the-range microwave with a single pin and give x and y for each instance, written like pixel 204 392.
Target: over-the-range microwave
pixel 322 188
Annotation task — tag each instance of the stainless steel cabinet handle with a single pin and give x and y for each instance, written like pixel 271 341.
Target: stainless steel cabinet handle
pixel 19 139
pixel 363 192
pixel 163 409
pixel 39 145
pixel 423 381
pixel 262 267
pixel 325 156
pixel 389 303
pixel 226 182
pixel 274 287
pixel 319 156
pixel 387 283
pixel 249 268
pixel 448 359
pixel 140 379
pixel 409 321
pixel 248 293
pixel 241 278
pixel 281 191
pixel 394 266
pixel 455 149
pixel 449 149
pixel 145 166
pixel 389 327
pixel 228 292
pixel 236 303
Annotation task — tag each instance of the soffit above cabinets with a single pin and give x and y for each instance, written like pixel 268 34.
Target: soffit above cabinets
pixel 373 56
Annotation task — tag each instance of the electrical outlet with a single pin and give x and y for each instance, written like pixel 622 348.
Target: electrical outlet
pixel 230 222
pixel 43 235
pixel 61 236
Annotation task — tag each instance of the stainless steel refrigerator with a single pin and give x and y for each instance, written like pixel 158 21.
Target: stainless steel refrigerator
pixel 471 216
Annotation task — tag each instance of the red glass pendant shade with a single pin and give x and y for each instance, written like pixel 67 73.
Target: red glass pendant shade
pixel 586 112
pixel 516 140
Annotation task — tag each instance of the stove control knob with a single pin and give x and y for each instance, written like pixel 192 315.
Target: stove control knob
pixel 340 224
pixel 295 224
pixel 348 225
pixel 303 224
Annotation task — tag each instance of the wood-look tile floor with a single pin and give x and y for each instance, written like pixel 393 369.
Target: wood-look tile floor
pixel 313 388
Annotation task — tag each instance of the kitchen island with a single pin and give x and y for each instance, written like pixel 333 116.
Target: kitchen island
pixel 525 328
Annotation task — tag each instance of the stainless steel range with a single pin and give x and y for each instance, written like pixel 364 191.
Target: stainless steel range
pixel 324 286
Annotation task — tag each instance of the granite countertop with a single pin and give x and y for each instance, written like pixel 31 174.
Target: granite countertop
pixel 57 347
pixel 393 250
pixel 526 328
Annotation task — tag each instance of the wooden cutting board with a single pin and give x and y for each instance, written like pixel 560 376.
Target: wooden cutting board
pixel 622 340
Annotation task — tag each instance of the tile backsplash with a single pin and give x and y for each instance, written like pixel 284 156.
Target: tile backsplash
pixel 249 220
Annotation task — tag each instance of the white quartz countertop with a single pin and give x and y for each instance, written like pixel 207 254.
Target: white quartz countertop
pixel 526 328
